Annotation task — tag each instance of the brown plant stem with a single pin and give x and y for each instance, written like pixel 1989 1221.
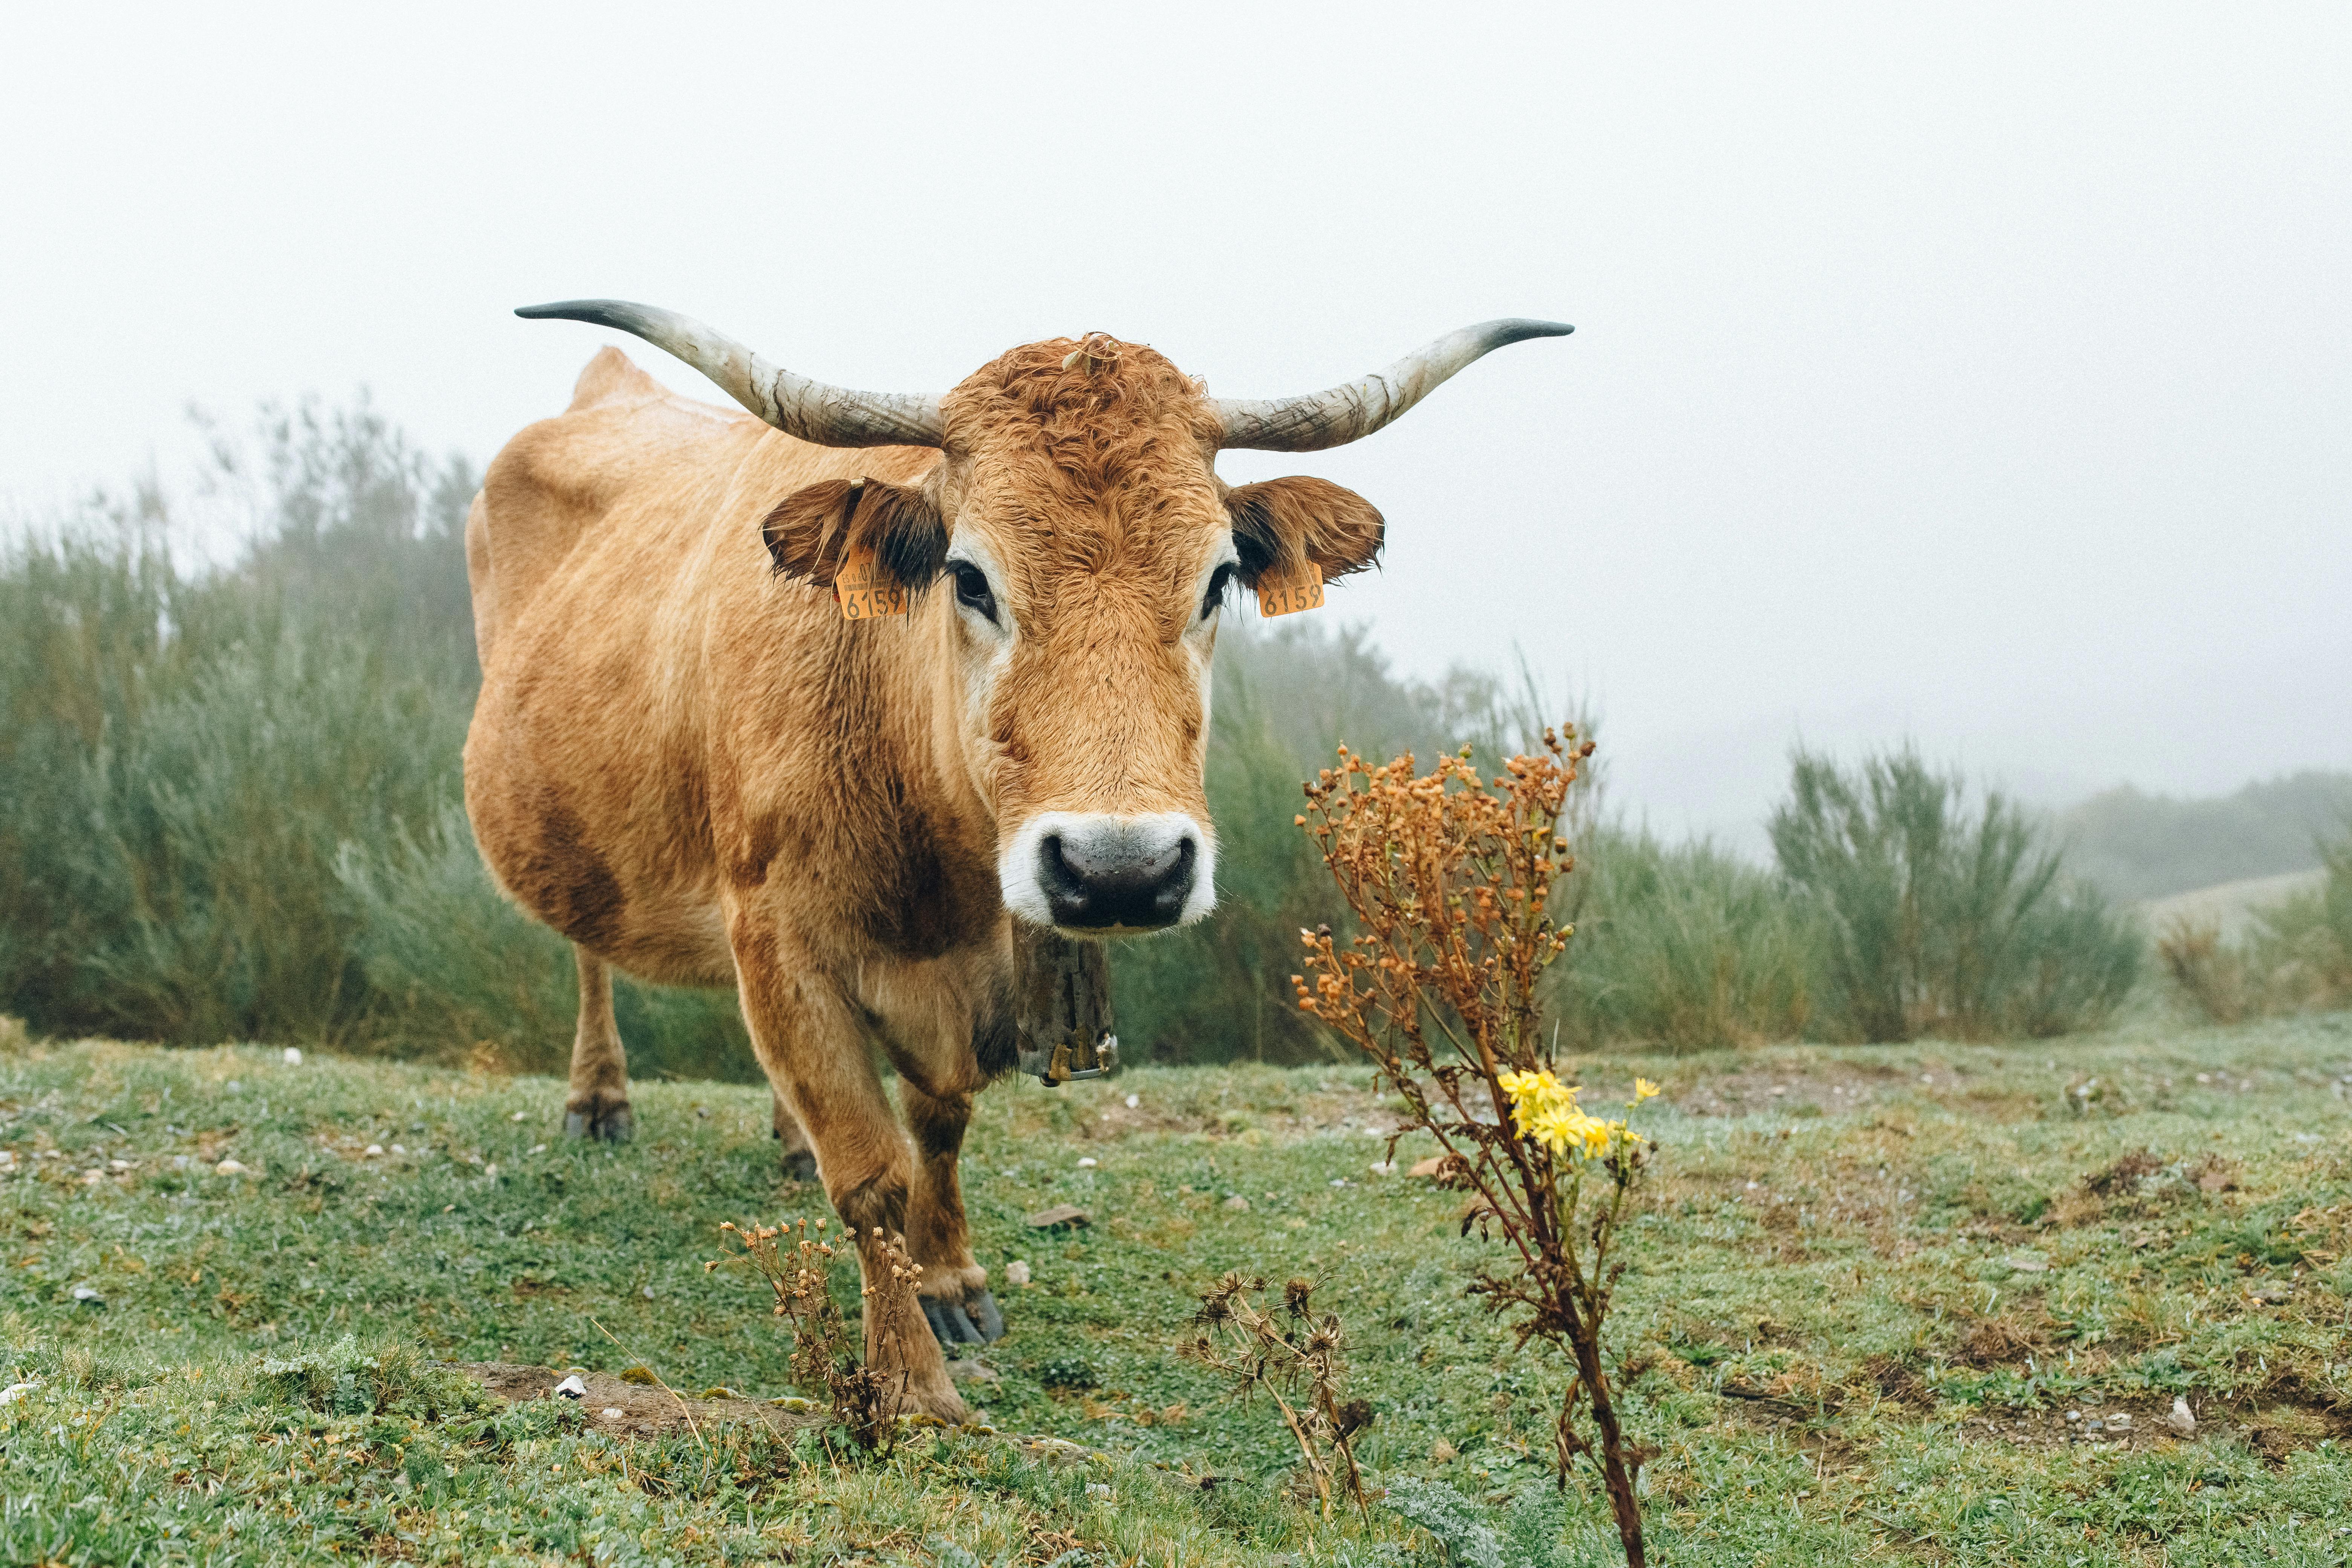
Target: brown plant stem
pixel 1449 876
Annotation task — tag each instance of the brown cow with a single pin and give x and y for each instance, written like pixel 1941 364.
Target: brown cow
pixel 689 762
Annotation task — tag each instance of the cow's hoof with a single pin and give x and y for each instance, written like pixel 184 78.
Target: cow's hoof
pixel 612 1124
pixel 973 1322
pixel 800 1165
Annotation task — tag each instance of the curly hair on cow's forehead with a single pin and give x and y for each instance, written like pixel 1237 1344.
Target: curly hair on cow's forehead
pixel 1098 406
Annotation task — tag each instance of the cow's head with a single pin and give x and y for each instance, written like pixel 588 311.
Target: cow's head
pixel 1072 550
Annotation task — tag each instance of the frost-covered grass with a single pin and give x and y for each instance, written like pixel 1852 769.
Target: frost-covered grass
pixel 1865 1304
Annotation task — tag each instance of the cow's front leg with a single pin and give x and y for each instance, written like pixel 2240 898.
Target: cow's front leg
pixel 814 1054
pixel 598 1103
pixel 955 1286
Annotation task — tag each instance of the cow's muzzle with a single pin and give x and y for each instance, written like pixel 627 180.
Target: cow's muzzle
pixel 1106 875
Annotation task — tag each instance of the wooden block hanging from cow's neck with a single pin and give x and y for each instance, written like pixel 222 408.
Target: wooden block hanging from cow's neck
pixel 1061 1001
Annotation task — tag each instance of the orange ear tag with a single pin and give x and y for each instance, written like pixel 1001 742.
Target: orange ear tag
pixel 1297 588
pixel 864 589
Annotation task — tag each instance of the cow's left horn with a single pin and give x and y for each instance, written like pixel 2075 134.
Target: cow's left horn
pixel 1353 412
pixel 827 416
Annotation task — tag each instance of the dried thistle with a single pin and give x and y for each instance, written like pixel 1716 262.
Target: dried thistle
pixel 1450 876
pixel 1294 1360
pixel 796 1262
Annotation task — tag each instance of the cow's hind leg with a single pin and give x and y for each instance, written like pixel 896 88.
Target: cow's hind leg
pixel 800 1155
pixel 598 1105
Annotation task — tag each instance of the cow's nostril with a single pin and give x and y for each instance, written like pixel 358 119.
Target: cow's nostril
pixel 1119 878
pixel 1062 879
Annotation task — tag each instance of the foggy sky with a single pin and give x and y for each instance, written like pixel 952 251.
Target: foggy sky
pixel 1976 374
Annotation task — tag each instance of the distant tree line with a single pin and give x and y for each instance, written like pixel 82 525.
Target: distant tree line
pixel 2135 844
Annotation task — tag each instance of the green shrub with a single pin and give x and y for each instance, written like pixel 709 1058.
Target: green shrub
pixel 2213 976
pixel 167 846
pixel 184 753
pixel 1688 947
pixel 218 838
pixel 82 646
pixel 1938 917
pixel 1458 1525
pixel 229 798
pixel 1320 685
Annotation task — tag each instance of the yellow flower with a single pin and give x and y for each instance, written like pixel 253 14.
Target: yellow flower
pixel 1556 1126
pixel 1531 1093
pixel 1544 1112
pixel 1643 1089
pixel 1599 1135
pixel 1525 1086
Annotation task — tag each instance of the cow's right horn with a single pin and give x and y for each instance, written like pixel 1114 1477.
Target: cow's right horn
pixel 810 410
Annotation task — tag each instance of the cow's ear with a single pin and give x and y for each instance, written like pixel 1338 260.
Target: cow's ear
pixel 1284 521
pixel 811 532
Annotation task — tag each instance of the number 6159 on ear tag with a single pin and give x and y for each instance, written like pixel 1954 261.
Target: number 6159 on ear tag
pixel 864 590
pixel 1286 590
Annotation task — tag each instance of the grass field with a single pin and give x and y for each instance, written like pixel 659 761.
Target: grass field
pixel 1872 1284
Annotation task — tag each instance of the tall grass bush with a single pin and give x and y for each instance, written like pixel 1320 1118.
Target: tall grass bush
pixel 1941 916
pixel 181 759
pixel 1684 946
pixel 228 793
pixel 1322 684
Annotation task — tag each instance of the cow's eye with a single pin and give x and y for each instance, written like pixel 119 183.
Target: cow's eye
pixel 1220 581
pixel 973 591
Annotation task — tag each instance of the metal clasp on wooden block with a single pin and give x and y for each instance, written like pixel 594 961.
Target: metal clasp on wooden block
pixel 1062 1007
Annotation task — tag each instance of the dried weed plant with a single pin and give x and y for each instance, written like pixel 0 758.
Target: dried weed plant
pixel 1293 1357
pixel 1451 880
pixel 796 1262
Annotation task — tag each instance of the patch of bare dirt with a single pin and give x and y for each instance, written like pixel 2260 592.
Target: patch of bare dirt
pixel 2274 1432
pixel 643 1411
pixel 2124 1176
pixel 1991 1343
pixel 1899 1382
pixel 1101 1111
pixel 1833 1089
pixel 1754 1091
pixel 626 1409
